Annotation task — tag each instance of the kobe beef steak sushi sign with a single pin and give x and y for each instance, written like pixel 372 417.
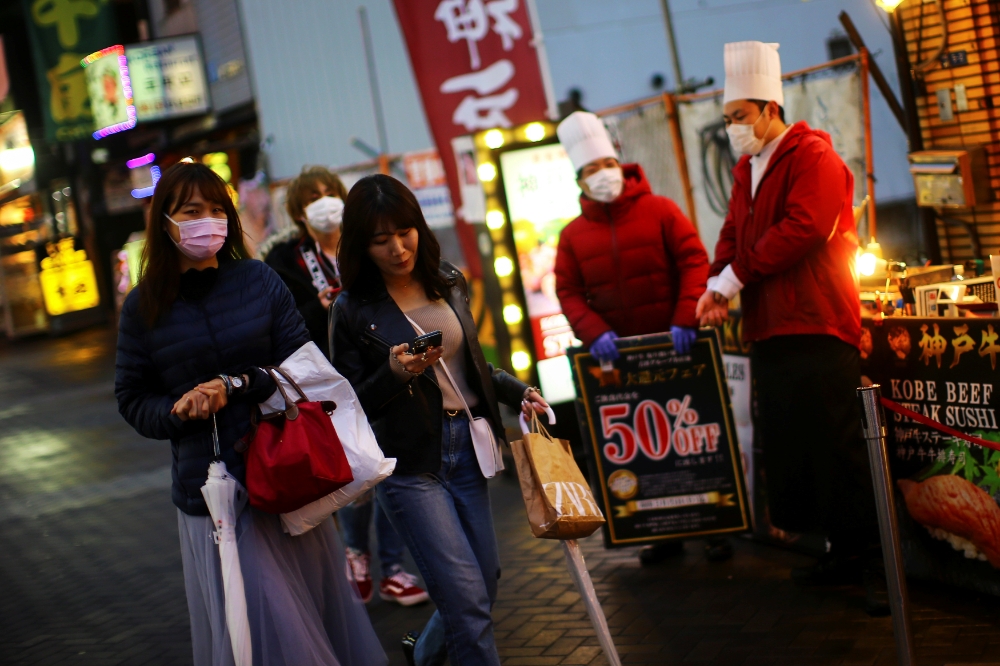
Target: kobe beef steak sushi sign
pixel 661 428
pixel 946 488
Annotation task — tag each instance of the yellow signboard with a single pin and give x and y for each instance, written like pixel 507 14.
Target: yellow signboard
pixel 67 279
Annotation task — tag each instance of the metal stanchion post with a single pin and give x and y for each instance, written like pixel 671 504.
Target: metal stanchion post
pixel 873 425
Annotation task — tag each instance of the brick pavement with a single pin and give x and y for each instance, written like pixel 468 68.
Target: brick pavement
pixel 90 570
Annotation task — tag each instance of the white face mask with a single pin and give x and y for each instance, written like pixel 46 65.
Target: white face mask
pixel 744 139
pixel 202 238
pixel 325 214
pixel 605 185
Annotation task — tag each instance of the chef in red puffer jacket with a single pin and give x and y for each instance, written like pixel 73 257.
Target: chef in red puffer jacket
pixel 631 264
pixel 788 246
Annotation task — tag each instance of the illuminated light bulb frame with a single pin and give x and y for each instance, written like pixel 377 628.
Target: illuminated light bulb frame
pixel 493 139
pixel 487 172
pixel 521 360
pixel 535 132
pixel 495 219
pixel 503 266
pixel 119 51
pixel 488 143
pixel 513 314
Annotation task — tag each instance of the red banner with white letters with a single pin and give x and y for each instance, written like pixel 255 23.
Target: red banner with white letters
pixel 476 69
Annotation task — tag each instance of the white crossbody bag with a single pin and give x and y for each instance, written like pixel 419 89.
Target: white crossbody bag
pixel 483 441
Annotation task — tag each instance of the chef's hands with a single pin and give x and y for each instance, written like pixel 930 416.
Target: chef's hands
pixel 202 401
pixel 415 363
pixel 533 401
pixel 712 309
pixel 604 348
pixel 683 338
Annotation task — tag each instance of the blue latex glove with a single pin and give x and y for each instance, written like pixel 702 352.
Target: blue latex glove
pixel 604 347
pixel 683 338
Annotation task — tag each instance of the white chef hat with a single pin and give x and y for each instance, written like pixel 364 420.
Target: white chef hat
pixel 753 71
pixel 585 139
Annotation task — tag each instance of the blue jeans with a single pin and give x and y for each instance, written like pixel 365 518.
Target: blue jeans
pixel 446 522
pixel 356 519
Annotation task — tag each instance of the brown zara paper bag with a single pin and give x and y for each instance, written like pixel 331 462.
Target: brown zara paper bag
pixel 557 498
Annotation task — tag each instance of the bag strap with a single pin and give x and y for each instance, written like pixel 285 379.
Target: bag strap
pixel 291 409
pixel 536 426
pixel 447 373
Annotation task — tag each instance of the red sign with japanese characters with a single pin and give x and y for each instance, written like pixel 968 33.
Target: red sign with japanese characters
pixel 476 69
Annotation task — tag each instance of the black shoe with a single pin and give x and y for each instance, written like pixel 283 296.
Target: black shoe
pixel 829 570
pixel 410 642
pixel 718 549
pixel 655 554
pixel 876 592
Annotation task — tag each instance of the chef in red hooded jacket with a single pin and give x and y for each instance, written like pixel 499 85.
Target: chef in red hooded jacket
pixel 788 247
pixel 631 264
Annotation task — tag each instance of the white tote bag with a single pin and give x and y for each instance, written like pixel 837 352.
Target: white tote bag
pixel 320 381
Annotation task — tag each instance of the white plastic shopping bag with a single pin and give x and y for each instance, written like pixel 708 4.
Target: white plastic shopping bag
pixel 319 380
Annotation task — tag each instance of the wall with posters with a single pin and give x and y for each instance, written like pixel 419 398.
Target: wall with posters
pixel 947 490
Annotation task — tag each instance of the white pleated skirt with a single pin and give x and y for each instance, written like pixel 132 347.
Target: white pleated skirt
pixel 302 609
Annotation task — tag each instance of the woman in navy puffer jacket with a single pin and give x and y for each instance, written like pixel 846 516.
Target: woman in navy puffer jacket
pixel 193 336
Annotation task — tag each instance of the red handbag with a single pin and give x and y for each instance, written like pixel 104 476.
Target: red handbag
pixel 294 456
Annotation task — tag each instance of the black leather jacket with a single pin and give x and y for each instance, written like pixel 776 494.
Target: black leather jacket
pixel 406 416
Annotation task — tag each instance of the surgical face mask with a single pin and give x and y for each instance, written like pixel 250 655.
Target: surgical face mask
pixel 744 139
pixel 325 214
pixel 200 239
pixel 605 185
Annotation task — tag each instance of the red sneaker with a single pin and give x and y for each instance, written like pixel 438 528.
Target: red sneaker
pixel 401 588
pixel 359 572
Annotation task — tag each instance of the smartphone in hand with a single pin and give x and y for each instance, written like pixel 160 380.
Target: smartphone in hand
pixel 420 344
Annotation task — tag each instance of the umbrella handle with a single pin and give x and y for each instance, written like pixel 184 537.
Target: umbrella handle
pixel 215 438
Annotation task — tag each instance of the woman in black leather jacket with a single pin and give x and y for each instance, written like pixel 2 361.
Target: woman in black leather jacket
pixel 396 286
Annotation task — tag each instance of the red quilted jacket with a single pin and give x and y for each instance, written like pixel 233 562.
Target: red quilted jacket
pixel 634 266
pixel 793 246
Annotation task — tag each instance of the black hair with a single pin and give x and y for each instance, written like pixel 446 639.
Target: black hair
pixel 761 104
pixel 377 201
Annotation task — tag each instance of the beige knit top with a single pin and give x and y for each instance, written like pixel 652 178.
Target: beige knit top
pixel 439 316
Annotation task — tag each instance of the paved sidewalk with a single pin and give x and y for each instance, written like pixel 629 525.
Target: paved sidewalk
pixel 90 570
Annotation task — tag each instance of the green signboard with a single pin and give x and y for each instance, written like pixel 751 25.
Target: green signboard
pixel 62 33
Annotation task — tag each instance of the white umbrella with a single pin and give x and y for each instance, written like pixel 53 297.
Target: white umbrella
pixel 578 570
pixel 226 497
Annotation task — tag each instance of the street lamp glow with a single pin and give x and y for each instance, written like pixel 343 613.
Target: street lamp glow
pixel 520 360
pixel 888 5
pixel 494 138
pixel 512 314
pixel 486 172
pixel 503 266
pixel 535 132
pixel 494 219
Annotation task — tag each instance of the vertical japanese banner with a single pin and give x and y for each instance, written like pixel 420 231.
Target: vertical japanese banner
pixel 476 69
pixel 63 33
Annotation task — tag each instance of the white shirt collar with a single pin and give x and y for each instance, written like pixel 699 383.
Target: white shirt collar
pixel 759 162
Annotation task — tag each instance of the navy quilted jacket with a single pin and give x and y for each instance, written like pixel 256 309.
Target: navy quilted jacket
pixel 246 319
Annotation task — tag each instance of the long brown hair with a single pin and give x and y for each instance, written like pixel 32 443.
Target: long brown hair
pixel 382 202
pixel 160 275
